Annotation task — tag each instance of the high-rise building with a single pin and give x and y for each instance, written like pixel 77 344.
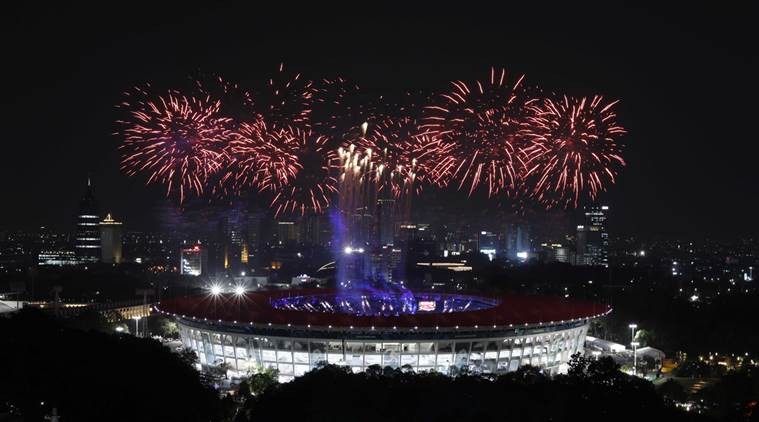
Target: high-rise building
pixel 487 243
pixel 287 232
pixel 386 221
pixel 556 252
pixel 314 230
pixel 254 238
pixel 87 242
pixel 385 261
pixel 517 240
pixel 192 260
pixel 110 241
pixel 593 238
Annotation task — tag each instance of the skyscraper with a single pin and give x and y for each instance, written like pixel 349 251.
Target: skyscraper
pixel 487 243
pixel 193 260
pixel 312 230
pixel 593 238
pixel 87 242
pixel 517 240
pixel 110 241
pixel 287 232
pixel 386 221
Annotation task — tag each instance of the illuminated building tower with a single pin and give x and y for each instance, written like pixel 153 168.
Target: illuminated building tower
pixel 487 244
pixel 593 238
pixel 192 260
pixel 244 254
pixel 287 232
pixel 517 240
pixel 87 241
pixel 254 237
pixel 313 231
pixel 110 241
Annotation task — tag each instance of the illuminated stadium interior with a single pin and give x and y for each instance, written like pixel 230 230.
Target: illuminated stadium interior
pixel 384 304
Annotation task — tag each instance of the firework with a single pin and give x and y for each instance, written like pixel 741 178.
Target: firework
pixel 301 141
pixel 405 157
pixel 313 184
pixel 340 107
pixel 484 119
pixel 259 159
pixel 286 100
pixel 574 152
pixel 175 139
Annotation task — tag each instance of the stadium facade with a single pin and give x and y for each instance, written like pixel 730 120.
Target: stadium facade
pixel 297 330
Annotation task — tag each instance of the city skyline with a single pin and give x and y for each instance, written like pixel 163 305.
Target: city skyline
pixel 474 211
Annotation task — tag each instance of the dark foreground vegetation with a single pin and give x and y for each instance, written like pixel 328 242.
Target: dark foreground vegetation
pixel 86 375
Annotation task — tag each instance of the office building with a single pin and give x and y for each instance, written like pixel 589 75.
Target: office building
pixel 593 238
pixel 87 241
pixel 110 241
pixel 193 260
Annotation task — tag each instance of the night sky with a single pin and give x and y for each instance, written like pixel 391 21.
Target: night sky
pixel 686 78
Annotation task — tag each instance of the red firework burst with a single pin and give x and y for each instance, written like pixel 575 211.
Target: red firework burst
pixel 313 184
pixel 484 120
pixel 175 139
pixel 259 159
pixel 404 157
pixel 287 100
pixel 574 151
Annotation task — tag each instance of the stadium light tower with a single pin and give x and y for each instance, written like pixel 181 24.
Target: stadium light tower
pixel 215 291
pixel 635 345
pixel 239 294
pixel 137 326
pixel 632 328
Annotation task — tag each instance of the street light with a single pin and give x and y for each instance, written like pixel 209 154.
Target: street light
pixel 635 345
pixel 633 327
pixel 239 290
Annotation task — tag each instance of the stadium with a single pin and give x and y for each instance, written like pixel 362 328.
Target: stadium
pixel 294 331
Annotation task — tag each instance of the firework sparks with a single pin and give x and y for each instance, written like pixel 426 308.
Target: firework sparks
pixel 299 141
pixel 259 159
pixel 286 100
pixel 574 151
pixel 484 119
pixel 340 107
pixel 311 187
pixel 174 139
pixel 405 158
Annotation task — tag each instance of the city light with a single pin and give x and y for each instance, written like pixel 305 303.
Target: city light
pixel 239 290
pixel 215 290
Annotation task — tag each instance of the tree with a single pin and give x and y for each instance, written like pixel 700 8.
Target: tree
pixel 80 375
pixel 243 390
pixel 188 356
pixel 599 392
pixel 263 380
pixel 164 327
